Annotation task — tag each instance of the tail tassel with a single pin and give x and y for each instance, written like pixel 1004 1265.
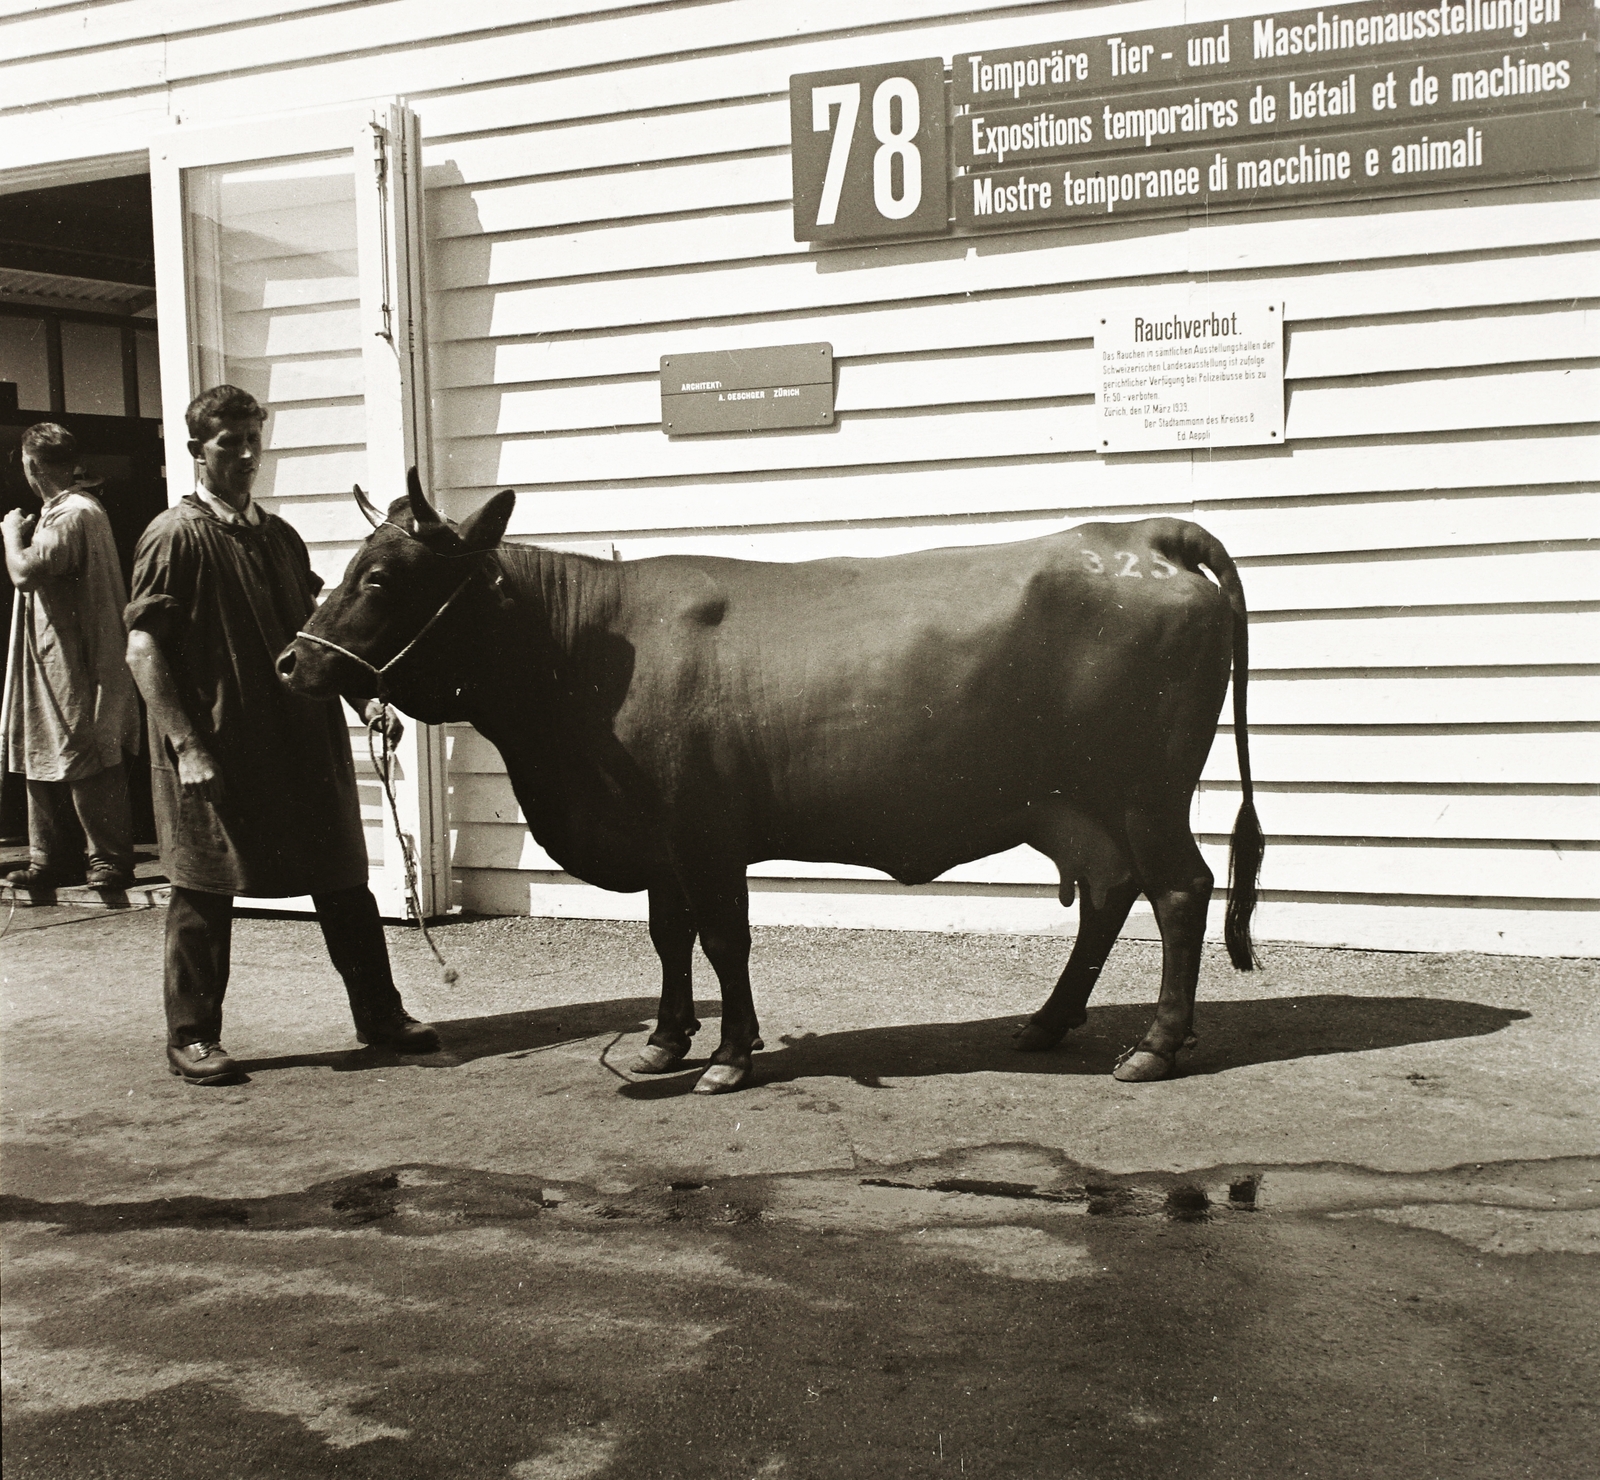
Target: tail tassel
pixel 1245 850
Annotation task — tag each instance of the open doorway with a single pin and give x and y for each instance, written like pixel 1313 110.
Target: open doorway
pixel 78 347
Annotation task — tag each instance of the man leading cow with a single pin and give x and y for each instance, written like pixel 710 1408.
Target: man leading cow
pixel 254 787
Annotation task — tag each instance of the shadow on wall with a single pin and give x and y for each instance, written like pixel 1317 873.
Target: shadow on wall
pixel 462 355
pixel 487 356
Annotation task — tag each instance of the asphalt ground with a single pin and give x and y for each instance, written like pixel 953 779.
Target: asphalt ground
pixel 1356 1236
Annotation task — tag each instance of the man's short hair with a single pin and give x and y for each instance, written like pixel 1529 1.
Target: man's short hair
pixel 51 446
pixel 221 403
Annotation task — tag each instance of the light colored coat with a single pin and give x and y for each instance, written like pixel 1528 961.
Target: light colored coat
pixel 71 706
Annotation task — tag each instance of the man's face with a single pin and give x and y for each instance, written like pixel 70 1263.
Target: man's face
pixel 231 456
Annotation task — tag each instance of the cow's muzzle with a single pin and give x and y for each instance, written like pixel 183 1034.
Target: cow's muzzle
pixel 303 671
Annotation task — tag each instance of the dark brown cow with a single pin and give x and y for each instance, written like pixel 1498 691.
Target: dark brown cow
pixel 668 722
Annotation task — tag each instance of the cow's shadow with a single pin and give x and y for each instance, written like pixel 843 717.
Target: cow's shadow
pixel 1232 1035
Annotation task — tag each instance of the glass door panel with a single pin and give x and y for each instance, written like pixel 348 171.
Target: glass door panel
pixel 293 269
pixel 275 280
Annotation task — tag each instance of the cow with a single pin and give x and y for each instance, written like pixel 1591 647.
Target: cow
pixel 667 722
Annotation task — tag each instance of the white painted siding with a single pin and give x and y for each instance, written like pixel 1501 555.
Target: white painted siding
pixel 605 186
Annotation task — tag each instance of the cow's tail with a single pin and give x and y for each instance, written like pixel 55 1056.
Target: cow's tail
pixel 1247 845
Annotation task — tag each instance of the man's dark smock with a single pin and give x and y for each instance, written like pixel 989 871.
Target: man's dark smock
pixel 222 600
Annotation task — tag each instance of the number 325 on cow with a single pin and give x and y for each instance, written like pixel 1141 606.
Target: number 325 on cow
pixel 868 152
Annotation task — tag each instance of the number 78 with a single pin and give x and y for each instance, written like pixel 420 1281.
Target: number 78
pixel 846 96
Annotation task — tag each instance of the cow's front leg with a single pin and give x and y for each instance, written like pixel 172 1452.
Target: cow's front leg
pixel 722 913
pixel 672 933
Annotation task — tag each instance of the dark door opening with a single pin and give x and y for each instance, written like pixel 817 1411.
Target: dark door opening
pixel 78 347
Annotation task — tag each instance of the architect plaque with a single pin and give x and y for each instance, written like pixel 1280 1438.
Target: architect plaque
pixel 747 390
pixel 1179 371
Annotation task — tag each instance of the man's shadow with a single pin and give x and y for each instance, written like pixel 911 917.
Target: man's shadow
pixel 1232 1035
pixel 509 1035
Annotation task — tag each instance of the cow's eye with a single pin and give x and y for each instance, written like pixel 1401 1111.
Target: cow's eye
pixel 374 580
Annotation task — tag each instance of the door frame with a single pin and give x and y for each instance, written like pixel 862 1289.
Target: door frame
pixel 383 137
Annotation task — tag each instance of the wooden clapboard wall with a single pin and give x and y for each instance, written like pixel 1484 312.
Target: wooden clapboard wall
pixel 1423 714
pixel 608 185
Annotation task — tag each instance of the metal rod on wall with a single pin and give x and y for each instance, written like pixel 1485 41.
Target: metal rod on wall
pixel 130 372
pixel 52 352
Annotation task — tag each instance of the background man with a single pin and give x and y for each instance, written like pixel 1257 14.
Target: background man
pixel 254 788
pixel 70 709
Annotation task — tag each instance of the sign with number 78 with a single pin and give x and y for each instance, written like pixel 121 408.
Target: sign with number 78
pixel 868 148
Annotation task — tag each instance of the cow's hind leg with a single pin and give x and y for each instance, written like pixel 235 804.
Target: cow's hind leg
pixel 1099 923
pixel 1178 883
pixel 672 933
pixel 1090 858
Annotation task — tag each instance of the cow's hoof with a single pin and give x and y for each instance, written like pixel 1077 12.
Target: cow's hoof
pixel 720 1078
pixel 1033 1038
pixel 654 1059
pixel 1141 1065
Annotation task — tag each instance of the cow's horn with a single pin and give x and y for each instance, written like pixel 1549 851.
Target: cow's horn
pixel 373 517
pixel 421 510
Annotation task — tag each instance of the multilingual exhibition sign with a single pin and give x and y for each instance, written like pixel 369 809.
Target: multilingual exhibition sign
pixel 1369 100
pixel 1181 370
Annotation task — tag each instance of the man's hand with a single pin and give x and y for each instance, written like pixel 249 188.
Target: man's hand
pixel 393 726
pixel 18 526
pixel 198 774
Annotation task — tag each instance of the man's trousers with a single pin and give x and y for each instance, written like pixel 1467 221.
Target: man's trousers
pixel 100 804
pixel 199 938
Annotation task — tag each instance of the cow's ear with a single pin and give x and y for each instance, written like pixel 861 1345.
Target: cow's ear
pixel 421 510
pixel 486 528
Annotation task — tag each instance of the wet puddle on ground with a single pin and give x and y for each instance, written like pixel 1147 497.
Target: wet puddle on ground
pixel 999 1310
pixel 984 1185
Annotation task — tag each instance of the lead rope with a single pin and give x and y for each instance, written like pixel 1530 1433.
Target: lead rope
pixel 378 726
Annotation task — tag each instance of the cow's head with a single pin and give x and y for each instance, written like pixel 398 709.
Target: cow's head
pixel 393 625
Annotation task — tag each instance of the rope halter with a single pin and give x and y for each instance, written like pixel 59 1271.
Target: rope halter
pixel 376 672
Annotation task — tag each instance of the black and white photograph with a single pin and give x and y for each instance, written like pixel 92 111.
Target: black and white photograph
pixel 800 742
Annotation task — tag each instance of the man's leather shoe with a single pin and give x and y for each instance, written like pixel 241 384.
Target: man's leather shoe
pixel 403 1034
pixel 108 876
pixel 201 1063
pixel 42 876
